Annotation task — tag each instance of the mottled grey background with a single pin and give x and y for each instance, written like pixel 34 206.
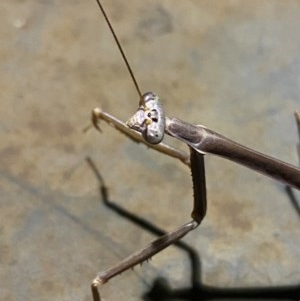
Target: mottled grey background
pixel 233 66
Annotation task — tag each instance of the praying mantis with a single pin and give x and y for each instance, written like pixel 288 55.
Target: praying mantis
pixel 148 125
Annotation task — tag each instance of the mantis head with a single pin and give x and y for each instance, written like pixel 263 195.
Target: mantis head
pixel 149 119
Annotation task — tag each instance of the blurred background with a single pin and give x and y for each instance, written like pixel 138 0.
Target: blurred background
pixel 233 66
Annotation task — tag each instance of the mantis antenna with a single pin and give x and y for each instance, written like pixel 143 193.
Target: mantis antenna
pixel 150 117
pixel 122 52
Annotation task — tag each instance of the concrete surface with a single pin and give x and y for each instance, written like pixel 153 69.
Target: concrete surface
pixel 233 66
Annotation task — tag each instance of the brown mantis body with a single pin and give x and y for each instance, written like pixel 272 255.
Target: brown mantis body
pixel 200 141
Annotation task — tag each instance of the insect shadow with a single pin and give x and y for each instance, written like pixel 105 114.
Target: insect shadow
pixel 161 290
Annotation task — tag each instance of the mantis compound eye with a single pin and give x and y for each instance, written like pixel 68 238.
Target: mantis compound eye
pixel 149 119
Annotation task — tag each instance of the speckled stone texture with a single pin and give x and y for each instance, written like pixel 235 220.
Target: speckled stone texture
pixel 231 65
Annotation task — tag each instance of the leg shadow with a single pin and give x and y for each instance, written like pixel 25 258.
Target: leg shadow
pixel 197 291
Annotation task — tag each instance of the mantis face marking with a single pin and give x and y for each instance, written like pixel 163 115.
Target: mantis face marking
pixel 149 119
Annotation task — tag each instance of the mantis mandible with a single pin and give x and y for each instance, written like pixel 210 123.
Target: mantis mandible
pixel 148 125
